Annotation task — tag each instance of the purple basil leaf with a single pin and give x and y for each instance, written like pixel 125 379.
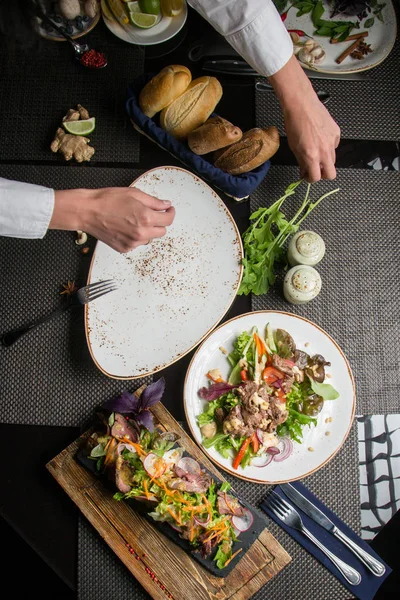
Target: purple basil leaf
pixel 145 418
pixel 126 403
pixel 152 394
pixel 215 390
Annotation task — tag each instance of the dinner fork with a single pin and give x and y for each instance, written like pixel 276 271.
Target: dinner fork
pixel 82 296
pixel 289 515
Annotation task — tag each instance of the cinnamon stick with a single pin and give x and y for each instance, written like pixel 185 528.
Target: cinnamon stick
pixel 348 51
pixel 355 36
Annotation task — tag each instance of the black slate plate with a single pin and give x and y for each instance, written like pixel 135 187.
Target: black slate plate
pixel 246 539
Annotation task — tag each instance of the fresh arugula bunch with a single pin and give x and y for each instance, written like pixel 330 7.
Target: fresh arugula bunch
pixel 264 239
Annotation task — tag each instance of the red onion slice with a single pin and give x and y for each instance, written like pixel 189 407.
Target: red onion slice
pixel 202 522
pixel 260 435
pixel 286 448
pixel 273 450
pixel 262 460
pixel 175 527
pixel 154 465
pixel 245 522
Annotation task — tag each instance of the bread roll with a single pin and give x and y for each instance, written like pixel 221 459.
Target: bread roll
pixel 214 134
pixel 192 108
pixel 164 88
pixel 256 146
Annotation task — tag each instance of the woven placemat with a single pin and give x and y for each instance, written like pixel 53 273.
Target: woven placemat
pixel 100 577
pixel 49 377
pixel 367 109
pixel 359 303
pixel 44 82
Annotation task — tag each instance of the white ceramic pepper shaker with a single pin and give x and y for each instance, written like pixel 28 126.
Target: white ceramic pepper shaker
pixel 302 283
pixel 305 248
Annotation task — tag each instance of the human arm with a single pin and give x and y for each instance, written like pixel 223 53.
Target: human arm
pixel 255 30
pixel 122 218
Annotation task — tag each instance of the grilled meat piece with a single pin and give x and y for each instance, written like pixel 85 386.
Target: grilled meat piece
pixel 219 415
pixel 287 383
pixel 260 420
pixel 283 364
pixel 228 505
pixel 123 428
pixel 234 424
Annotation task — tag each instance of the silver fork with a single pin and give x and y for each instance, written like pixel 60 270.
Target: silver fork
pixel 84 295
pixel 289 515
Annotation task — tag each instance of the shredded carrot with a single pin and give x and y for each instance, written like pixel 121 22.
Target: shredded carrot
pixel 137 447
pixel 227 503
pixel 109 455
pixel 232 557
pixel 146 491
pixel 261 348
pixel 174 516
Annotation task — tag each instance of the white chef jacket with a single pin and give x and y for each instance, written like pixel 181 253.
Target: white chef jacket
pixel 253 27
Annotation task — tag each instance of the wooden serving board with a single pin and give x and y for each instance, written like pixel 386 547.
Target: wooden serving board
pixel 153 559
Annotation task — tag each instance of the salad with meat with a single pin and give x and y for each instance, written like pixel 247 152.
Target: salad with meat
pixel 147 465
pixel 273 391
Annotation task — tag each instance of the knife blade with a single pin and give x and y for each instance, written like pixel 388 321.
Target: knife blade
pixel 376 567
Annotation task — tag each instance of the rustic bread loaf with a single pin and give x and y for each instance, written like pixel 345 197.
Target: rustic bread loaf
pixel 214 134
pixel 192 108
pixel 256 146
pixel 164 88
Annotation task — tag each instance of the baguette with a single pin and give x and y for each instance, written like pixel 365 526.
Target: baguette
pixel 214 134
pixel 192 108
pixel 163 89
pixel 256 146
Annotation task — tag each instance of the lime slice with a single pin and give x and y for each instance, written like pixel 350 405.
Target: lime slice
pixel 133 7
pixel 83 127
pixel 143 20
pixel 151 7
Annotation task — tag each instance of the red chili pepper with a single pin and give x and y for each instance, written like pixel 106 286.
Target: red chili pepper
pixel 299 32
pixel 243 375
pixel 284 16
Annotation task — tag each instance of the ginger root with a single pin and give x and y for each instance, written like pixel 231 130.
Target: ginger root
pixel 72 146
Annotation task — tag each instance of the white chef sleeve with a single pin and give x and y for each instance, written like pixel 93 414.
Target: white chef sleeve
pixel 253 27
pixel 25 209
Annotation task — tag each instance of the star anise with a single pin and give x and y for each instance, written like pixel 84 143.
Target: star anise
pixel 362 50
pixel 69 289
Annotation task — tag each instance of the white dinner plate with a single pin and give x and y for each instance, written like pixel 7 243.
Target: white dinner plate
pixel 324 440
pixel 173 291
pixel 381 37
pixel 164 30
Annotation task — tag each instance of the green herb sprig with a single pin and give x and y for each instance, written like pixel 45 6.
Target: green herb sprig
pixel 264 239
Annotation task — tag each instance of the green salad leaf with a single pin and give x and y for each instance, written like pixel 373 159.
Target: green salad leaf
pixel 325 390
pixel 264 239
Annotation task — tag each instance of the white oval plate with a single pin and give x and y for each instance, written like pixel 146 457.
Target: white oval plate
pixel 381 36
pixel 302 461
pixel 164 30
pixel 173 291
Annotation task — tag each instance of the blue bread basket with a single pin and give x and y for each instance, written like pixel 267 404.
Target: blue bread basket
pixel 238 187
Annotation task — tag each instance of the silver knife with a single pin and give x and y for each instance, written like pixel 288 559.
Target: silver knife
pixel 376 567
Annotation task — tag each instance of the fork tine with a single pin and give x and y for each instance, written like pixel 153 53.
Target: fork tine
pixel 282 501
pixel 92 286
pixel 99 288
pixel 275 506
pixel 101 292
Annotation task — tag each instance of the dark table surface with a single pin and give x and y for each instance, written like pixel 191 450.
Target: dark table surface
pixel 38 527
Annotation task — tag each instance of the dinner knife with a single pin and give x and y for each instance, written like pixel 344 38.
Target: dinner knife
pixel 376 567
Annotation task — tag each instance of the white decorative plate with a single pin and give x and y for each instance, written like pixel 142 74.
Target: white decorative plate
pixel 173 291
pixel 324 445
pixel 381 37
pixel 164 30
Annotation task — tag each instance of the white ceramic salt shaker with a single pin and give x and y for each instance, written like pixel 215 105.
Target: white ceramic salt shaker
pixel 302 283
pixel 305 248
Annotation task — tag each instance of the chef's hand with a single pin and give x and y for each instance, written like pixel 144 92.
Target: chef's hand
pixel 312 134
pixel 123 218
